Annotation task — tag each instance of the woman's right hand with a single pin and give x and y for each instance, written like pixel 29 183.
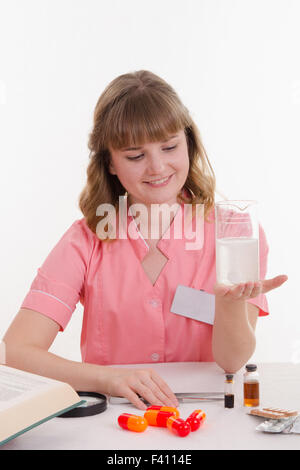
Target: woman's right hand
pixel 132 383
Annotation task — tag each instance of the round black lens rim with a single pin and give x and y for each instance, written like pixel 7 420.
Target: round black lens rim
pixel 88 410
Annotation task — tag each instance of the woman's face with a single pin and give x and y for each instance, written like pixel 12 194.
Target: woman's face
pixel 153 173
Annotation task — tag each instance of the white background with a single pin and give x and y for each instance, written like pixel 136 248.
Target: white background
pixel 234 63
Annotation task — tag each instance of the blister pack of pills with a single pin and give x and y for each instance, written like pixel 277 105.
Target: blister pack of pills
pixel 294 428
pixel 273 413
pixel 276 425
pixel 280 420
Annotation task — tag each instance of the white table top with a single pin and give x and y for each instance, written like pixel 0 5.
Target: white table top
pixel 223 428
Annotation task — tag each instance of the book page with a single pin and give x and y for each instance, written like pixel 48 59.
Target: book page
pixel 27 400
pixel 17 386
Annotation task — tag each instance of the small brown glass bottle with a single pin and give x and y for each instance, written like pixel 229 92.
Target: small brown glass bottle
pixel 228 391
pixel 251 386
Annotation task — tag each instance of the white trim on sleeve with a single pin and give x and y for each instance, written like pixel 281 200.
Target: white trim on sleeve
pixel 53 296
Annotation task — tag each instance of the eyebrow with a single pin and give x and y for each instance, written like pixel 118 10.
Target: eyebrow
pixel 138 148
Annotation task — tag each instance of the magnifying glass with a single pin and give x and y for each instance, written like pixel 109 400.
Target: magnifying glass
pixel 94 404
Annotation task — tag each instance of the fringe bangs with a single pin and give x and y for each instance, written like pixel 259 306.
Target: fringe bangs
pixel 139 119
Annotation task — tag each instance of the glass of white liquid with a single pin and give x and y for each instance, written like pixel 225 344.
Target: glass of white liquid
pixel 237 242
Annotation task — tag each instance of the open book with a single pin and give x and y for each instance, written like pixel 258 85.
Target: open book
pixel 27 400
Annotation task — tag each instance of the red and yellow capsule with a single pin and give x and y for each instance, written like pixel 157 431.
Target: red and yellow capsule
pixel 164 408
pixel 132 422
pixel 178 426
pixel 196 419
pixel 158 418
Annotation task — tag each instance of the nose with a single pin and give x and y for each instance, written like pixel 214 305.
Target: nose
pixel 155 164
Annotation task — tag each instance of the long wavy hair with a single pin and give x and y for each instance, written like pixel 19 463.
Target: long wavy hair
pixel 136 108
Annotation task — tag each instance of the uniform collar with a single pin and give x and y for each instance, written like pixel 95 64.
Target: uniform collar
pixel 180 235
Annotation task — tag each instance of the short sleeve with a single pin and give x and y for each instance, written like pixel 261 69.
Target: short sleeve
pixel 261 300
pixel 59 282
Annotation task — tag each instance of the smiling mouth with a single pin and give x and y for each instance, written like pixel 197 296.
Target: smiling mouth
pixel 160 181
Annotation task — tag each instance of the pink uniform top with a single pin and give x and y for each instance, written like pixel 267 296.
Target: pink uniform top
pixel 126 318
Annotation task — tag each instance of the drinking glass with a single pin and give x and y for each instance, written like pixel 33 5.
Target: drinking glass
pixel 237 241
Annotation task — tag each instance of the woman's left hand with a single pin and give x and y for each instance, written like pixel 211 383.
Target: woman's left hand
pixel 248 290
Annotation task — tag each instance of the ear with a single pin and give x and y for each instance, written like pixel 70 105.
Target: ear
pixel 111 169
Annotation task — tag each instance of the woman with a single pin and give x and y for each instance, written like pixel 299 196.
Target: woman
pixel 145 150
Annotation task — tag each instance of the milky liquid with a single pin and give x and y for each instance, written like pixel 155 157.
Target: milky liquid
pixel 237 260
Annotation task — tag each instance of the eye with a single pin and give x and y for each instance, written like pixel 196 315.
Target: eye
pixel 170 148
pixel 138 157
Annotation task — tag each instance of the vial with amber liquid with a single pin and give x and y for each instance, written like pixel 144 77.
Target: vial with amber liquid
pixel 228 391
pixel 251 386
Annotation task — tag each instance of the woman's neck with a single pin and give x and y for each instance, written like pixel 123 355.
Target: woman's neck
pixel 153 219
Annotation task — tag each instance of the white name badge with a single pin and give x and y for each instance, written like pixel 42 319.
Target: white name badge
pixel 193 303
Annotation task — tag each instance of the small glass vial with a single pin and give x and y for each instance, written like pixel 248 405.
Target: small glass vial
pixel 251 386
pixel 228 391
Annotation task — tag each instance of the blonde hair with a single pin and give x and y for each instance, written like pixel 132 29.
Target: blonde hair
pixel 136 108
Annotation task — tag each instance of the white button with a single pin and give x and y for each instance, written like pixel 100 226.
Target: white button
pixel 154 357
pixel 154 303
